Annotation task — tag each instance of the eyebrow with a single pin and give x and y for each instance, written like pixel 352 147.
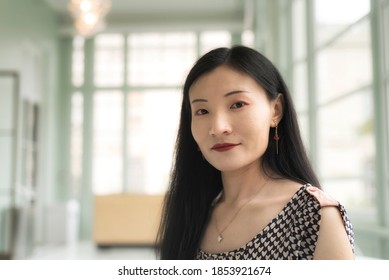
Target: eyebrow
pixel 226 95
pixel 199 100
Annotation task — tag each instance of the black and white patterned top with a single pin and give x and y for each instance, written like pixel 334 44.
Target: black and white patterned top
pixel 291 235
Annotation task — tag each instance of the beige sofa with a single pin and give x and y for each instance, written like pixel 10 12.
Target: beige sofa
pixel 126 219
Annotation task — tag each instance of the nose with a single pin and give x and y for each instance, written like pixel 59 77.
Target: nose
pixel 220 125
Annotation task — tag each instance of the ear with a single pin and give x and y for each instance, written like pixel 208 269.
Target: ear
pixel 277 109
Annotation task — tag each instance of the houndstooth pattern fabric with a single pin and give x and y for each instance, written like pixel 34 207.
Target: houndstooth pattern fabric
pixel 292 235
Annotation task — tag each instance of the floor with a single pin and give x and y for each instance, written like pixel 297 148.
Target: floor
pixel 89 251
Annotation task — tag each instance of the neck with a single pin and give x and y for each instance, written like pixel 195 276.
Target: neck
pixel 238 186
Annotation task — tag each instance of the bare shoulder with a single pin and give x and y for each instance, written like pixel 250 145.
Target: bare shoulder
pixel 333 242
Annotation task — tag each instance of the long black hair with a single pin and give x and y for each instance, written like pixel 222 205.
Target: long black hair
pixel 194 183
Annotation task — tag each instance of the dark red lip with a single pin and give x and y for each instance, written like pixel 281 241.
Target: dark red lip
pixel 223 147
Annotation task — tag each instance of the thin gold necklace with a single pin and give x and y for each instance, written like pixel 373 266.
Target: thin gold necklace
pixel 220 232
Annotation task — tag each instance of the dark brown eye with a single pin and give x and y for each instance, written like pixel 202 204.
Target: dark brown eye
pixel 238 105
pixel 201 112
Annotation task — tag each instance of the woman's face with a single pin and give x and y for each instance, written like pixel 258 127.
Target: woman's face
pixel 231 118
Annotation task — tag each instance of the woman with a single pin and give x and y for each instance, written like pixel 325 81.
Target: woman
pixel 241 185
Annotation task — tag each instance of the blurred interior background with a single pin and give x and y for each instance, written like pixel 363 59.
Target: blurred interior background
pixel 89 111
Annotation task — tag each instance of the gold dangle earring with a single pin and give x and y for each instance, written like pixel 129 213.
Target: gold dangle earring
pixel 276 136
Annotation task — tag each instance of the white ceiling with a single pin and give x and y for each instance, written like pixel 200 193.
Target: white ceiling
pixel 152 12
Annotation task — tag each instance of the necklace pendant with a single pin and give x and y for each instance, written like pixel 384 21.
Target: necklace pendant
pixel 219 238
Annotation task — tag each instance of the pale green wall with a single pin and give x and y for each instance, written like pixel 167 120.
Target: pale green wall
pixel 29 36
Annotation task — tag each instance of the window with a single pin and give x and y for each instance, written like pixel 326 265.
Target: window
pixel 214 39
pixel 299 26
pixel 78 62
pixel 107 142
pixel 336 64
pixel 346 150
pixel 109 60
pixel 76 142
pixel 136 101
pixel 336 94
pixel 345 139
pixel 333 17
pixel 157 59
pixel 152 126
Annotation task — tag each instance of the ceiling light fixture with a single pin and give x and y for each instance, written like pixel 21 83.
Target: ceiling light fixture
pixel 89 15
